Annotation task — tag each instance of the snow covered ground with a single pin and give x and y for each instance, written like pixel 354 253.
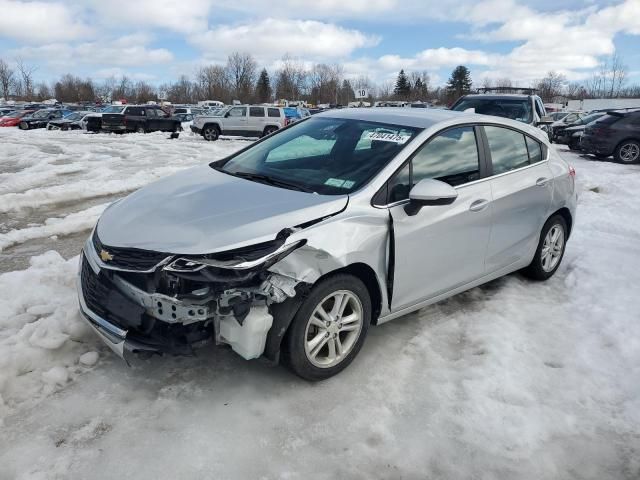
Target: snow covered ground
pixel 512 380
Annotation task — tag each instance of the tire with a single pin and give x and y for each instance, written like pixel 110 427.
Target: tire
pixel 23 126
pixel 627 152
pixel 543 266
pixel 269 130
pixel 64 128
pixel 140 129
pixel 319 360
pixel 574 144
pixel 210 133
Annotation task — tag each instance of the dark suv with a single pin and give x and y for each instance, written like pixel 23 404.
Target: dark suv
pixel 617 134
pixel 141 119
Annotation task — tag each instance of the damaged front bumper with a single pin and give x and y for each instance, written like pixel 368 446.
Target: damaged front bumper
pixel 179 304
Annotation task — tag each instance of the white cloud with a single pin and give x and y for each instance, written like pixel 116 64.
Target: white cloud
pixel 39 22
pixel 124 51
pixel 271 38
pixel 186 16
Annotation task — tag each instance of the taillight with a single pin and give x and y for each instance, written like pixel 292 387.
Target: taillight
pixel 286 121
pixel 572 172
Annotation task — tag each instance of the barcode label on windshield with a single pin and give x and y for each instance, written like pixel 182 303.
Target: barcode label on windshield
pixel 388 137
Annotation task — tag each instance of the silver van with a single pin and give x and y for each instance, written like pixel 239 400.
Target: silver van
pixel 291 248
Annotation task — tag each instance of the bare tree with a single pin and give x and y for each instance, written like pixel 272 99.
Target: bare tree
pixel 504 82
pixel 144 92
pixel 550 86
pixel 617 75
pixel 6 78
pixel 291 79
pixel 26 74
pixel 213 83
pixel 241 69
pixel 385 90
pixel 43 92
pixel 324 81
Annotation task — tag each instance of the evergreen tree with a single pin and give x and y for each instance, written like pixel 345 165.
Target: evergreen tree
pixel 460 82
pixel 263 87
pixel 402 89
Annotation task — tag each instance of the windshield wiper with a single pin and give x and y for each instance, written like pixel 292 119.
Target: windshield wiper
pixel 276 182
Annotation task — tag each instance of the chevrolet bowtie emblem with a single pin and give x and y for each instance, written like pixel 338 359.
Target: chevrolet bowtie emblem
pixel 105 256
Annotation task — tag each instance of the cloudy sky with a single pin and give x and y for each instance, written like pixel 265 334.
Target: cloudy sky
pixel 157 40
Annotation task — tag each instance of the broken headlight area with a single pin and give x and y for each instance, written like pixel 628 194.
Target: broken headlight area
pixel 173 304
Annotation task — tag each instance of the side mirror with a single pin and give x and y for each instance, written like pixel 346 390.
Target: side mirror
pixel 546 120
pixel 429 192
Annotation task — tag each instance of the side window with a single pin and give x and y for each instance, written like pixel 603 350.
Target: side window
pixel 539 107
pixel 256 111
pixel 274 112
pixel 535 151
pixel 572 117
pixel 238 112
pixel 451 157
pixel 508 149
pixel 151 113
pixel 135 111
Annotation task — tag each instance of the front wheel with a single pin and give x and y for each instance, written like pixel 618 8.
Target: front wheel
pixel 24 126
pixel 550 249
pixel 140 129
pixel 329 328
pixel 210 133
pixel 628 152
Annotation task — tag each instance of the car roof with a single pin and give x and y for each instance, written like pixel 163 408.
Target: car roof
pixel 410 117
pixel 502 96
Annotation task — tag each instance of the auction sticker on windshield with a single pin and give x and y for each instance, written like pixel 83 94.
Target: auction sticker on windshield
pixel 388 137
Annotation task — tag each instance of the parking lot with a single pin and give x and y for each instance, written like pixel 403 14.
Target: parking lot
pixel 514 379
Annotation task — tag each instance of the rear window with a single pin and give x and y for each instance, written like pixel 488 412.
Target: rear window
pixel 608 119
pixel 274 112
pixel 256 111
pixel 515 109
pixel 535 151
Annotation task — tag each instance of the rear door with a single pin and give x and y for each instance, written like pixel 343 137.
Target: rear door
pixel 441 247
pixel 257 119
pixel 522 185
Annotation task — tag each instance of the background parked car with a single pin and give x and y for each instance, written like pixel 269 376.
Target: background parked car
pixel 241 120
pixel 140 119
pixel 570 134
pixel 71 121
pixel 40 118
pixel 617 134
pixel 525 108
pixel 563 122
pixel 13 119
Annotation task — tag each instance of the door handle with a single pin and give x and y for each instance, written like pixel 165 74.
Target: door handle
pixel 542 181
pixel 479 205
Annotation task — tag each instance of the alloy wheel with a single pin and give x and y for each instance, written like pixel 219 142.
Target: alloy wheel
pixel 333 329
pixel 552 248
pixel 629 152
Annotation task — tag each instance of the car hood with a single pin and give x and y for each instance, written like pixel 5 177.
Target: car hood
pixel 201 210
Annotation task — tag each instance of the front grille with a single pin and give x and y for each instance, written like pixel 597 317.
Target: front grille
pixel 133 259
pixel 93 291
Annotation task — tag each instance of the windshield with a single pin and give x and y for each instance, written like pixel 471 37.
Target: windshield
pixel 331 156
pixel 18 114
pixel 74 116
pixel 42 113
pixel 515 109
pixel 113 109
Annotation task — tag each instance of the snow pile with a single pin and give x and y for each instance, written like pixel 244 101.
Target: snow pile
pixel 42 337
pixel 74 222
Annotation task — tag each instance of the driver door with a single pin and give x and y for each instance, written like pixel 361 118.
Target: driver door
pixel 236 121
pixel 441 247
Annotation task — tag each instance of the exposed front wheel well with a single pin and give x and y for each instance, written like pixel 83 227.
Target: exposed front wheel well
pixel 366 274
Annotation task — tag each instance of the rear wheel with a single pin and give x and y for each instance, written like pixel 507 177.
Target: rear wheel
pixel 269 131
pixel 24 126
pixel 140 129
pixel 329 328
pixel 210 133
pixel 550 249
pixel 628 152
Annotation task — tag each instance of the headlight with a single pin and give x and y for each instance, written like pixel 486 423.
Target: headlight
pixel 195 264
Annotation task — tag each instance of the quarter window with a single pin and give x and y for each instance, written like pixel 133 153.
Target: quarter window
pixel 256 111
pixel 274 112
pixel 535 152
pixel 508 149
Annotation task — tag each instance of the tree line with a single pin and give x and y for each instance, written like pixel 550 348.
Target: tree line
pixel 241 79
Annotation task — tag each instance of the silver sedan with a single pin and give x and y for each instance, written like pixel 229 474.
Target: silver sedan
pixel 293 247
